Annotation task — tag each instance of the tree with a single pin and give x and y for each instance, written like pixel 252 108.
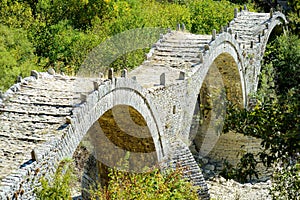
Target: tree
pixel 276 117
pixel 17 56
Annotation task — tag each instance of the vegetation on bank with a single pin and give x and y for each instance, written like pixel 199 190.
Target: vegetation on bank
pixel 60 34
pixel 59 186
pixel 155 184
pixel 275 119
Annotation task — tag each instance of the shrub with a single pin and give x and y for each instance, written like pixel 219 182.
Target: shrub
pixel 61 46
pixel 207 15
pixel 284 55
pixel 17 56
pixel 15 14
pixel 59 187
pixel 286 180
pixel 275 117
pixel 294 16
pixel 151 185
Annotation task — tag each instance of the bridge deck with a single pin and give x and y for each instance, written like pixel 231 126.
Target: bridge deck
pixel 32 115
pixel 177 53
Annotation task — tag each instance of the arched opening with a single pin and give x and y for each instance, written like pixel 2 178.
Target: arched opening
pixel 278 30
pixel 120 139
pixel 209 146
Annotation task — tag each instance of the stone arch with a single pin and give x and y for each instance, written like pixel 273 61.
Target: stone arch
pixel 222 49
pixel 224 79
pixel 274 26
pixel 223 67
pixel 125 92
pixel 112 94
pixel 224 46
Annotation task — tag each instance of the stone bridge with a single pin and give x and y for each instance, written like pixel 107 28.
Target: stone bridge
pixel 45 117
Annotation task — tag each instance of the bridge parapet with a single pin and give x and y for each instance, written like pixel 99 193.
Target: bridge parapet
pixel 252 32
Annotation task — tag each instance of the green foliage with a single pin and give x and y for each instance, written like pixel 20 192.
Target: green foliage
pixel 209 15
pixel 64 32
pixel 15 14
pixel 294 16
pixel 228 171
pixel 275 117
pixel 129 60
pixel 17 56
pixel 274 120
pixel 60 186
pixel 79 13
pixel 61 46
pixel 284 55
pixel 266 85
pixel 244 171
pixel 277 124
pixel 126 15
pixel 240 1
pixel 150 185
pixel 286 181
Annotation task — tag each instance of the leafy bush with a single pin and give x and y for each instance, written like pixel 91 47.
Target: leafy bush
pixel 151 185
pixel 275 123
pixel 61 46
pixel 60 185
pixel 208 15
pixel 284 55
pixel 122 185
pixel 294 16
pixel 244 171
pixel 15 14
pixel 17 56
pixel 286 180
pixel 275 117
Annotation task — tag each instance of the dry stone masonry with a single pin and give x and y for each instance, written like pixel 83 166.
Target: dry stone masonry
pixel 44 117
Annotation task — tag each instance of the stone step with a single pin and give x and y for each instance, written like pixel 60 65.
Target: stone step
pixel 180 46
pixel 188 42
pixel 178 50
pixel 175 59
pixel 48 113
pixel 176 54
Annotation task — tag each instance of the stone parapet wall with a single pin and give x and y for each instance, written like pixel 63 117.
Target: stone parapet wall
pixel 229 148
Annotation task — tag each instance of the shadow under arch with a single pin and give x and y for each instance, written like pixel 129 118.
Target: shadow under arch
pixel 120 139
